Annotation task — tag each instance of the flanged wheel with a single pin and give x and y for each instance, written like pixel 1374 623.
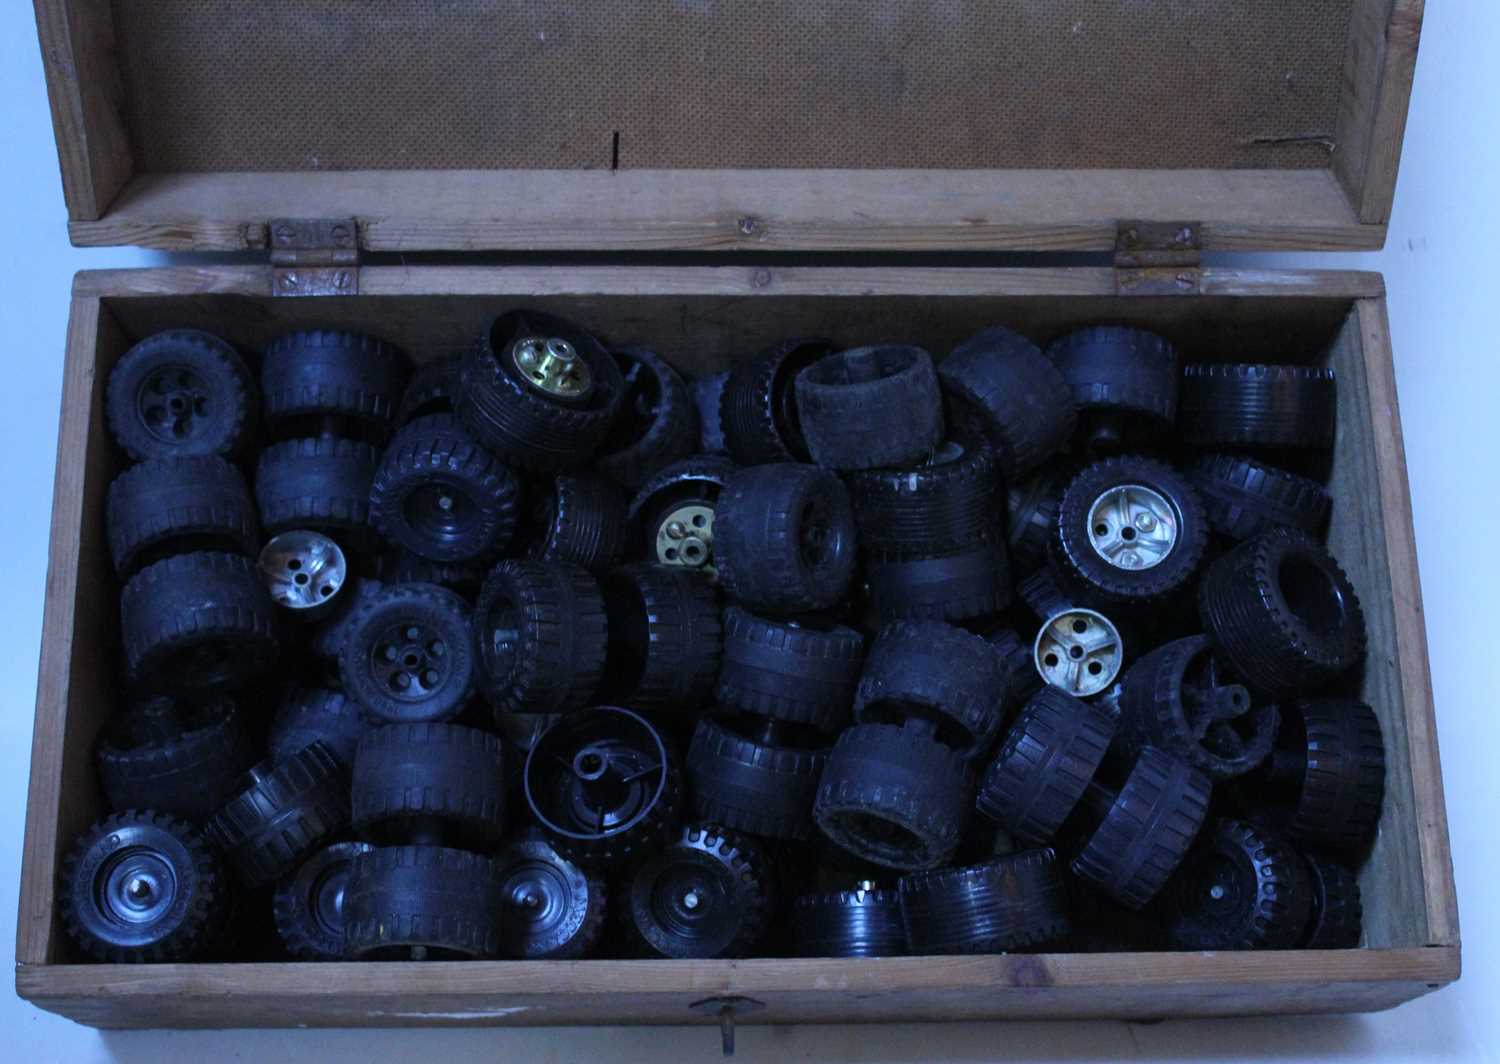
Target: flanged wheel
pixel 1239 888
pixel 422 903
pixel 304 572
pixel 1008 903
pixel 862 922
pixel 309 903
pixel 706 894
pixel 409 655
pixel 1079 651
pixel 142 886
pixel 603 785
pixel 553 909
pixel 180 392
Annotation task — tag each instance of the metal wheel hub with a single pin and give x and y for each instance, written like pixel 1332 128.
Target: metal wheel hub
pixel 1132 527
pixel 551 364
pixel 136 886
pixel 1078 651
pixel 302 570
pixel 172 402
pixel 326 902
pixel 685 537
pixel 538 895
pixel 410 662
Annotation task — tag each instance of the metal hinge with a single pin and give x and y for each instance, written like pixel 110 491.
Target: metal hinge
pixel 314 257
pixel 1158 258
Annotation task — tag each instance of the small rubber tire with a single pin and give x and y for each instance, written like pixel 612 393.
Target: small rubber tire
pixel 191 923
pixel 1001 385
pixel 322 484
pixel 758 405
pixel 186 775
pixel 1339 792
pixel 665 638
pixel 444 646
pixel 947 504
pixel 1257 405
pixel 565 921
pixel 281 814
pixel 957 586
pixel 1023 680
pixel 405 567
pixel 310 715
pixel 707 394
pixel 757 787
pixel 1048 758
pixel 799 671
pixel 936 672
pixel 1084 569
pixel 870 408
pixel 198 621
pixel 543 637
pixel 440 778
pixel 574 517
pixel 784 538
pixel 848 923
pixel 433 389
pixel 1032 509
pixel 522 425
pixel 727 876
pixel 186 365
pixel 309 375
pixel 431 462
pixel 1239 887
pixel 1009 903
pixel 1119 370
pixel 1337 917
pixel 1244 497
pixel 1147 830
pixel 1283 614
pixel 176 506
pixel 308 904
pixel 330 633
pixel 657 423
pixel 894 796
pixel 422 903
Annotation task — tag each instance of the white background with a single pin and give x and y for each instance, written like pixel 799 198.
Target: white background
pixel 1442 266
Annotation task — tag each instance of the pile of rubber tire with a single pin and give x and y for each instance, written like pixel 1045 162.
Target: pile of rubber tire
pixel 541 651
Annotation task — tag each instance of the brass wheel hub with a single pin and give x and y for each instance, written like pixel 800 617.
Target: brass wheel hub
pixel 685 537
pixel 552 365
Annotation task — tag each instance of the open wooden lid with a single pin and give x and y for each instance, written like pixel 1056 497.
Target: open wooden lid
pixel 471 125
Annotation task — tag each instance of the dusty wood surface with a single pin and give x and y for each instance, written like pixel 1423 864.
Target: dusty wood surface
pixel 1383 37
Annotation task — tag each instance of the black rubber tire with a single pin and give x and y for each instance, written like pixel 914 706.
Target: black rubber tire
pixel 444 645
pixel 1179 699
pixel 422 903
pixel 960 586
pixel 566 919
pixel 758 404
pixel 933 671
pixel 1247 405
pixel 1147 831
pixel 329 634
pixel 758 787
pixel 801 672
pixel 894 796
pixel 443 779
pixel 308 905
pixel 1244 497
pixel 848 923
pixel 1044 595
pixel 215 374
pixel 643 817
pixel 784 538
pixel 1022 678
pixel 190 925
pixel 665 638
pixel 543 637
pixel 320 373
pixel 1001 385
pixel 462 578
pixel 281 814
pixel 1005 904
pixel 198 622
pixel 1045 764
pixel 178 505
pixel 1240 887
pixel 1283 614
pixel 574 517
pixel 700 480
pixel 433 460
pixel 870 408
pixel 310 715
pixel 707 394
pixel 1083 570
pixel 188 774
pixel 1117 370
pixel 433 389
pixel 729 875
pixel 1336 760
pixel 948 504
pixel 523 426
pixel 657 423
pixel 321 484
pixel 1032 509
pixel 1337 917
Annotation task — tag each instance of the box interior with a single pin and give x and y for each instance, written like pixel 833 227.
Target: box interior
pixel 703 333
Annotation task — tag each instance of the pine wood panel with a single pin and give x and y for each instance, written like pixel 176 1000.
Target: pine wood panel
pixel 1378 74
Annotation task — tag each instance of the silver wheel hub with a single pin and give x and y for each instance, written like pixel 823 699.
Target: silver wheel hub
pixel 303 570
pixel 552 364
pixel 686 537
pixel 1132 527
pixel 137 887
pixel 1078 651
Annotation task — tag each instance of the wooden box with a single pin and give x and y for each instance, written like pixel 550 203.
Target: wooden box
pixel 1152 130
